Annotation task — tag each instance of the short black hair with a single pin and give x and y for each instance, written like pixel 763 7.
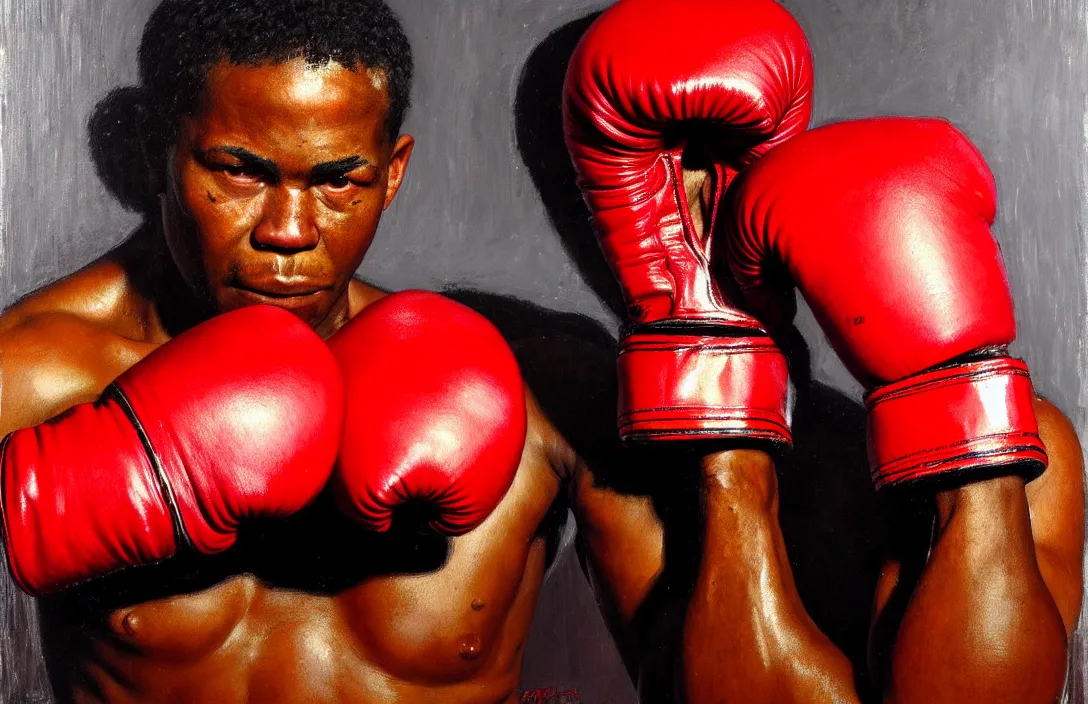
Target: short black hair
pixel 184 39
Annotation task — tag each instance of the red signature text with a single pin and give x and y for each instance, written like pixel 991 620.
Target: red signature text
pixel 549 695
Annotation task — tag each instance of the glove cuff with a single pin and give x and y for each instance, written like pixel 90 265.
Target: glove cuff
pixel 79 500
pixel 701 386
pixel 971 417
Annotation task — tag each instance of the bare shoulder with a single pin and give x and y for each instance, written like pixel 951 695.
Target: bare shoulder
pixel 100 293
pixel 63 344
pixel 1056 503
pixel 545 441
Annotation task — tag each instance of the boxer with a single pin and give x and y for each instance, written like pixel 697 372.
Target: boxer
pixel 237 473
pixel 884 228
pixel 275 170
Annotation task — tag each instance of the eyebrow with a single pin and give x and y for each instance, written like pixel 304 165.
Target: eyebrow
pixel 250 159
pixel 335 169
pixel 321 172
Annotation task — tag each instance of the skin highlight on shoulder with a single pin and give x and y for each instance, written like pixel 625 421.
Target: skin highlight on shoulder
pixel 64 344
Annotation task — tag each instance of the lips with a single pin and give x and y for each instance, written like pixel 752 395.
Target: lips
pixel 277 287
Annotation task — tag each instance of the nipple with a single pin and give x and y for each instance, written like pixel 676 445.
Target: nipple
pixel 478 604
pixel 126 624
pixel 470 646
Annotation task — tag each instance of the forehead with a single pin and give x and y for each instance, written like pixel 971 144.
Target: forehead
pixel 293 97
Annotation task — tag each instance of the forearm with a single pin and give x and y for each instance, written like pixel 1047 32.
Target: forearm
pixel 747 636
pixel 981 624
pixel 623 540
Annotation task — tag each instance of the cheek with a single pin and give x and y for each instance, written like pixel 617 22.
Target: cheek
pixel 349 233
pixel 220 219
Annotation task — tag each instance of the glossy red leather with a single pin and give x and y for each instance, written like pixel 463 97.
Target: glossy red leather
pixel 970 415
pixel 80 500
pixel 742 68
pixel 736 86
pixel 241 415
pixel 884 227
pixel 435 415
pixel 680 387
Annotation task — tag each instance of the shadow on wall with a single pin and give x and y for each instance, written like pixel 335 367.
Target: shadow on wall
pixel 828 507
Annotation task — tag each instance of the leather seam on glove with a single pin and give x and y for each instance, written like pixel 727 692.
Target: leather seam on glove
pixel 181 538
pixel 700 347
pixel 774 434
pixel 744 411
pixel 723 327
pixel 889 473
pixel 946 376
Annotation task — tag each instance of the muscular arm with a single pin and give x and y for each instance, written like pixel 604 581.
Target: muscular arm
pixel 999 592
pixel 744 634
pixel 1056 507
pixel 624 541
pixel 747 635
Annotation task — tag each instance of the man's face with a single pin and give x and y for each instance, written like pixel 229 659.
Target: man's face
pixel 277 184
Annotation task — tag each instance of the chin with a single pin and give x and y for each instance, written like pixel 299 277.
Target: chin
pixel 311 309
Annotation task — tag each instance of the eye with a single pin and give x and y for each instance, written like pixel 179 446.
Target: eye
pixel 338 183
pixel 239 172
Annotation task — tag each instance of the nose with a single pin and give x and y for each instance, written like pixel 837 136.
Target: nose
pixel 287 223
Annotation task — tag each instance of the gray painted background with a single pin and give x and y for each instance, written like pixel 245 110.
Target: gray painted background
pixel 1012 74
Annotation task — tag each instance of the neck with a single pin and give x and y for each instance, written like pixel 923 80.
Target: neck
pixel 176 308
pixel 341 312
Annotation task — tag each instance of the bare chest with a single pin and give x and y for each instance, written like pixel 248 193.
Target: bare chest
pixel 314 606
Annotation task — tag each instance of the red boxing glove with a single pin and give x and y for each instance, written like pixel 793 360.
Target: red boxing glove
pixel 435 413
pixel 884 226
pixel 691 364
pixel 236 418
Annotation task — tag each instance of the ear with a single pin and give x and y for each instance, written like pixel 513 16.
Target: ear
pixel 398 165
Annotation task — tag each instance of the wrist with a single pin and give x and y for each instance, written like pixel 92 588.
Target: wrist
pixel 988 500
pixel 741 478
